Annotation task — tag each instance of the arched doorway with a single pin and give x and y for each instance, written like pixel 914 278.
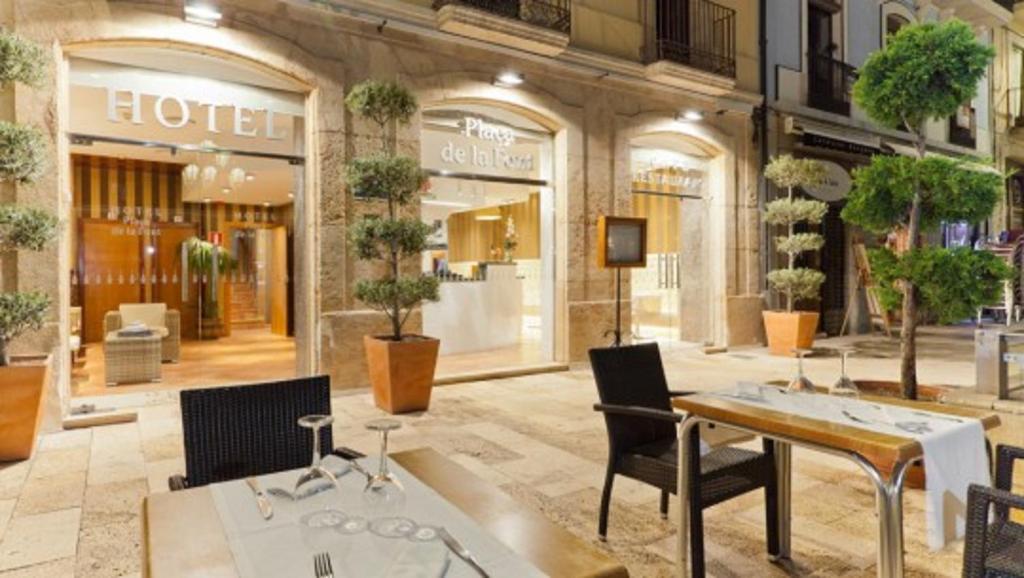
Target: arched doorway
pixel 672 181
pixel 176 154
pixel 491 204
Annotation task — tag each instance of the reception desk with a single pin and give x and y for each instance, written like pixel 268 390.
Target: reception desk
pixel 477 315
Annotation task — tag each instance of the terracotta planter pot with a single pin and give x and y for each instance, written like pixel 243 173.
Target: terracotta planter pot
pixel 22 391
pixel 788 331
pixel 401 372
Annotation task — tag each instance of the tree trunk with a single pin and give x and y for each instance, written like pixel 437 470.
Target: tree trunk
pixel 908 332
pixel 5 356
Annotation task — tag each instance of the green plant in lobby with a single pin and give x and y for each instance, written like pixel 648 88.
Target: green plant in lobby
pixel 791 330
pixel 211 262
pixel 925 73
pixel 394 240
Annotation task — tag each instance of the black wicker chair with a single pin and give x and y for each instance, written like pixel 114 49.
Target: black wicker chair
pixel 994 546
pixel 248 430
pixel 637 408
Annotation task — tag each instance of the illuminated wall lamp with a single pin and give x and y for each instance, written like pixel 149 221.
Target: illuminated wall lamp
pixel 509 79
pixel 691 115
pixel 201 13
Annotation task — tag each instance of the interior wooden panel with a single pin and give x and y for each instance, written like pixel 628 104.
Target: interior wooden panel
pixel 472 240
pixel 278 281
pixel 662 214
pixel 109 259
pixel 167 265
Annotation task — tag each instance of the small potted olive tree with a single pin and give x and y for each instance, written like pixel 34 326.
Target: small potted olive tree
pixel 790 329
pixel 401 365
pixel 23 379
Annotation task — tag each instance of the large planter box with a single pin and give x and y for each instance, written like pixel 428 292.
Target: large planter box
pixel 22 394
pixel 401 372
pixel 788 331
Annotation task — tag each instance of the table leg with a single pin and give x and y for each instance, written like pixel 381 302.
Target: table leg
pixel 899 475
pixel 784 477
pixel 682 490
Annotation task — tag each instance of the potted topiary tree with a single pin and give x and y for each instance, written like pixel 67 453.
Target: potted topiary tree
pixel 23 379
pixel 925 72
pixel 790 330
pixel 401 366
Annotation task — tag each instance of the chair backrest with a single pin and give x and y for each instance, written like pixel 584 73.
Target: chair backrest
pixel 632 375
pixel 248 430
pixel 149 314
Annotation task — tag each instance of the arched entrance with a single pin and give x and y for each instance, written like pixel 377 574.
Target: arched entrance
pixel 176 153
pixel 674 181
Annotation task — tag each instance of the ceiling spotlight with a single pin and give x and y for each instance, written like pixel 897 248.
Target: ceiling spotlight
pixel 692 115
pixel 509 79
pixel 207 199
pixel 250 177
pixel 226 190
pixel 291 195
pixel 266 204
pixel 202 13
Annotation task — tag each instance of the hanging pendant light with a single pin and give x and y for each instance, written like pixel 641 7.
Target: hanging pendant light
pixel 191 173
pixel 236 177
pixel 209 174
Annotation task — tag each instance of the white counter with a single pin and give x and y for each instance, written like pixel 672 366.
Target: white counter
pixel 477 315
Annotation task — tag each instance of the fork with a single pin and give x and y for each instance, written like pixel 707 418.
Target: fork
pixel 322 565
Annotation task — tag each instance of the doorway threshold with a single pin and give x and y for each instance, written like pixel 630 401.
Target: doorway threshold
pixel 501 373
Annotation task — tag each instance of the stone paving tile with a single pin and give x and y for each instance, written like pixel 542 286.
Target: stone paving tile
pixel 60 461
pixel 57 492
pixel 158 472
pixel 163 447
pixel 75 438
pixel 12 478
pixel 116 502
pixel 6 509
pixel 40 538
pixel 63 568
pixel 110 550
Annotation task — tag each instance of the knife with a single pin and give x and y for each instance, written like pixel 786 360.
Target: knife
pixel 459 550
pixel 266 508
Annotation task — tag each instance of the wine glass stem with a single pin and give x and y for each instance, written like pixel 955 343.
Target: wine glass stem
pixel 383 452
pixel 316 447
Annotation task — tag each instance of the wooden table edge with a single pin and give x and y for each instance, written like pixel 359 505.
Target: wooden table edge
pixel 900 449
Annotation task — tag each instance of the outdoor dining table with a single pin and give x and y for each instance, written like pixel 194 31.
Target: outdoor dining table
pixel 182 534
pixel 876 453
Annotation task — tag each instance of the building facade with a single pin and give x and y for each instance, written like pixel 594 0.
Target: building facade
pixel 813 51
pixel 556 112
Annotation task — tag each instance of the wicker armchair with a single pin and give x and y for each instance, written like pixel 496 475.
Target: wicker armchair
pixel 165 322
pixel 637 408
pixel 248 430
pixel 994 546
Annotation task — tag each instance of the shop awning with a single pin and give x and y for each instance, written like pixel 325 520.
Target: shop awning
pixel 909 151
pixel 844 140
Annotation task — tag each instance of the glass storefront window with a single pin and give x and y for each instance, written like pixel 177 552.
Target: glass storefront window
pixel 490 204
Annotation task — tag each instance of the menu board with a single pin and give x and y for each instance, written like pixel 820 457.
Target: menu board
pixel 622 242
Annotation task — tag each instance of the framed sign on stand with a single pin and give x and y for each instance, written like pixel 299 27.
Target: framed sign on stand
pixel 621 244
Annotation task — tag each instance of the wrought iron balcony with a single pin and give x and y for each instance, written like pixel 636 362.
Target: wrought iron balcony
pixel 552 14
pixel 697 33
pixel 829 84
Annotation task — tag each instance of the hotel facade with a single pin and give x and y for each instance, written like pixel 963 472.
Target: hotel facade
pixel 230 126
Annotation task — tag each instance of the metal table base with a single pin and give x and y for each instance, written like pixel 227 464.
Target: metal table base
pixel 888 497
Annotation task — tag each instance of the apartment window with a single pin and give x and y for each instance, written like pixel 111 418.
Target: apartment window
pixel 893 24
pixel 829 79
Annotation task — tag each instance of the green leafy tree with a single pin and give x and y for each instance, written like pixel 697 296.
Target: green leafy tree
pixel 22 160
pixel 391 238
pixel 790 173
pixel 201 259
pixel 925 72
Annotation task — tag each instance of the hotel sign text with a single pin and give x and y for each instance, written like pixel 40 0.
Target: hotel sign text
pixel 174 112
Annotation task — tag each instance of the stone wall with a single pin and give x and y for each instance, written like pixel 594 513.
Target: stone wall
pixel 592 116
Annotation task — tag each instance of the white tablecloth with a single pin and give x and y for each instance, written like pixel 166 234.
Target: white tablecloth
pixel 954 447
pixel 282 547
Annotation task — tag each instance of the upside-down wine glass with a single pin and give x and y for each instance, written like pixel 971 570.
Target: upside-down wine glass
pixel 800 383
pixel 328 517
pixel 844 386
pixel 384 494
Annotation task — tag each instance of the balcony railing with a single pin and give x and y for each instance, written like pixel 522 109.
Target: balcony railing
pixel 696 33
pixel 553 14
pixel 829 82
pixel 961 128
